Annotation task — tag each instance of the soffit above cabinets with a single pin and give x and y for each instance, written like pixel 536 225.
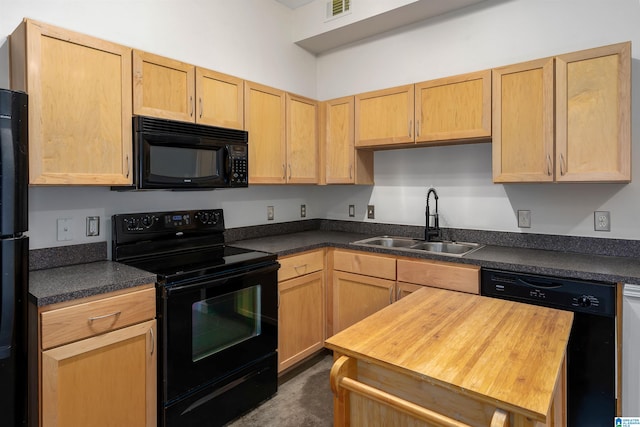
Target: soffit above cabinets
pixel 316 33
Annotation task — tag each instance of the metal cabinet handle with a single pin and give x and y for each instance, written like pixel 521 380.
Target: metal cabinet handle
pixel 391 295
pixel 153 341
pixel 350 171
pixel 562 165
pixel 191 106
pixel 417 128
pixel 289 170
pixel 296 267
pixel 410 123
pixel 549 164
pixel 115 314
pixel 201 107
pixel 128 167
pixel 284 171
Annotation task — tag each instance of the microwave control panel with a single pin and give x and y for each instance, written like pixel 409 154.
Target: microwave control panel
pixel 238 165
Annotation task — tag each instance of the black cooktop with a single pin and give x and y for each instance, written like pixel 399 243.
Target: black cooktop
pixel 180 246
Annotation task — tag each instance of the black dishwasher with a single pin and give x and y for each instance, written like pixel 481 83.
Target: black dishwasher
pixel 591 352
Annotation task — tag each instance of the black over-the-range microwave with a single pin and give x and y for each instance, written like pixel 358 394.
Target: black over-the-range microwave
pixel 173 155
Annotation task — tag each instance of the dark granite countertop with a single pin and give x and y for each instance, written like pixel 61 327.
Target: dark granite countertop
pixel 532 261
pixel 54 285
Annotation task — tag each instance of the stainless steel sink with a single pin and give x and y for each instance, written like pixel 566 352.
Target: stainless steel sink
pixel 457 249
pixel 388 242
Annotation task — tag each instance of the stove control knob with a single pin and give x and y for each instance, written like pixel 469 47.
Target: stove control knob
pixel 148 220
pixel 132 223
pixel 584 301
pixel 216 217
pixel 205 217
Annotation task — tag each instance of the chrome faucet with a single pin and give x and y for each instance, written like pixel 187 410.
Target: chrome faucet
pixel 430 232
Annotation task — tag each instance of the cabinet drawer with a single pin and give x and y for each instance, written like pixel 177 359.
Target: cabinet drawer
pixel 64 325
pixel 456 277
pixel 300 264
pixel 366 264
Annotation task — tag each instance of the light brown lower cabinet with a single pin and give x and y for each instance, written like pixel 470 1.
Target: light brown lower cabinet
pixel 356 296
pixel 107 380
pixel 301 308
pixel 95 361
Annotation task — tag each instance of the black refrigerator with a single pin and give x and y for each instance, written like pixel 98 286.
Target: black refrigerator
pixel 14 252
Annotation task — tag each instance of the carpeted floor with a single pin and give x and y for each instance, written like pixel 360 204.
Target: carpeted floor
pixel 303 401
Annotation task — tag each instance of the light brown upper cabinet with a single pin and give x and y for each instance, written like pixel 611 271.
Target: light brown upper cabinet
pixel 264 112
pixel 302 140
pixel 588 139
pixel 79 105
pixel 384 117
pixel 170 89
pixel 343 164
pixel 454 108
pixel 283 136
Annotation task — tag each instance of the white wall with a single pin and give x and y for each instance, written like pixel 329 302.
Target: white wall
pixel 490 34
pixel 252 39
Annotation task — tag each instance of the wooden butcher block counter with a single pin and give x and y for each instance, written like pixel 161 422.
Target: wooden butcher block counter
pixel 446 358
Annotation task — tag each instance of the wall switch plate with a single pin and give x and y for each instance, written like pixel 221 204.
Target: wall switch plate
pixel 270 213
pixel 352 211
pixel 64 229
pixel 303 211
pixel 371 211
pixel 93 226
pixel 524 219
pixel 601 221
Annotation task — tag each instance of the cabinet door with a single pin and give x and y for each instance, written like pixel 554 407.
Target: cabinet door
pixel 79 105
pixel 593 111
pixel 300 318
pixel 264 114
pixel 343 164
pixel 454 108
pixel 356 296
pixel 106 380
pixel 163 87
pixel 384 117
pixel 302 140
pixel 523 129
pixel 220 99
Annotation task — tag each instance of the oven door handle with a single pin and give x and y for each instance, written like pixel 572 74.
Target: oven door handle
pixel 217 280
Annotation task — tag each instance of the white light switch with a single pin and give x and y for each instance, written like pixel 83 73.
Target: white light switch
pixel 64 229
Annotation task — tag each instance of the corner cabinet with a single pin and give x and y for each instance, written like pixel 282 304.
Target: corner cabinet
pixel 343 163
pixel 97 361
pixel 79 105
pixel 588 139
pixel 301 296
pixel 170 89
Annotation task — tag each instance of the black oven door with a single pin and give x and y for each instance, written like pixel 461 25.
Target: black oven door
pixel 180 162
pixel 216 327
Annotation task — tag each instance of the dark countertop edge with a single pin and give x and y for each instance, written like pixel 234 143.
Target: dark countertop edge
pixel 68 283
pixel 472 259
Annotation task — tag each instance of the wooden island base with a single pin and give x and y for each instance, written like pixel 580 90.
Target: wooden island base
pixel 443 358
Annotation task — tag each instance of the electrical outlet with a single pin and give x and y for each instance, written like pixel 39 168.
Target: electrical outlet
pixel 371 211
pixel 93 226
pixel 303 211
pixel 524 219
pixel 352 211
pixel 270 213
pixel 64 229
pixel 601 221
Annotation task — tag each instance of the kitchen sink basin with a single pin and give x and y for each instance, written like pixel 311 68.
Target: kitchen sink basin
pixel 457 249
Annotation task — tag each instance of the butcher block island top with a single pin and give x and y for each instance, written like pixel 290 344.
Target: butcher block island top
pixel 468 359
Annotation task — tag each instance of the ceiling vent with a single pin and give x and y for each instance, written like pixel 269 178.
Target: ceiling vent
pixel 336 8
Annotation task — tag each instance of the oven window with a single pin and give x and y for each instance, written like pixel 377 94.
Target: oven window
pixel 177 162
pixel 225 320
